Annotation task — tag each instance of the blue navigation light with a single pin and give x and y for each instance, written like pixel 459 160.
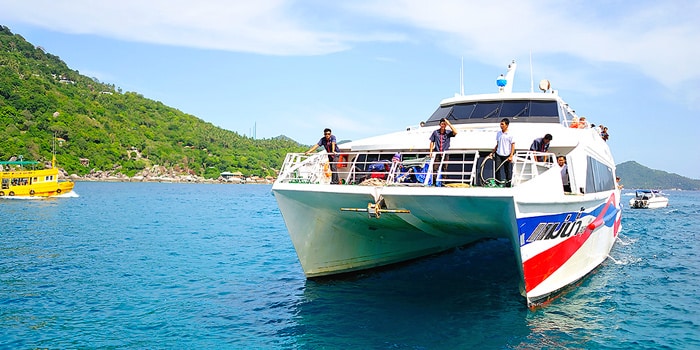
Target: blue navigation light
pixel 501 81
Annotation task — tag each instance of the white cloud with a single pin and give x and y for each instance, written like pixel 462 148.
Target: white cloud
pixel 654 38
pixel 262 26
pixel 657 38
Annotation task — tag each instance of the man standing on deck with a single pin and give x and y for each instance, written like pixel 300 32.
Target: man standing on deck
pixel 440 141
pixel 503 153
pixel 564 169
pixel 541 144
pixel 328 142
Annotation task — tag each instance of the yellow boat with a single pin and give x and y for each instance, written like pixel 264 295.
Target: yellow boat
pixel 22 179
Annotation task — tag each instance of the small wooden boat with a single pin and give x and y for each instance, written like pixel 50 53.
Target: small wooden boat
pixel 21 178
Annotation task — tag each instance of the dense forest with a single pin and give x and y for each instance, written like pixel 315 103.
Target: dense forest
pixel 100 128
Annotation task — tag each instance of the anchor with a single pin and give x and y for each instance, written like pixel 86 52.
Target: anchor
pixel 374 210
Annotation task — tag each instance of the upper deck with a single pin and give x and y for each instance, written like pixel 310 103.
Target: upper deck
pixel 491 108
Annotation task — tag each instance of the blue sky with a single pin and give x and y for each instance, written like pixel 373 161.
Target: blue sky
pixel 363 68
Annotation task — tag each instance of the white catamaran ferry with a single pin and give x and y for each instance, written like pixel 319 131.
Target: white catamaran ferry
pixel 391 206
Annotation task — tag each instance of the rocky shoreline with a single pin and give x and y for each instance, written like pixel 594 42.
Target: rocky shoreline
pixel 161 174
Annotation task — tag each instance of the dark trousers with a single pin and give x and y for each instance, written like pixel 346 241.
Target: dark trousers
pixel 503 166
pixel 334 168
pixel 436 166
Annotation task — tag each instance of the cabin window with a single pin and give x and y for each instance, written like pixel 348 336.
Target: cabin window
pixel 463 111
pixel 543 109
pixel 491 111
pixel 599 177
pixel 516 109
pixel 487 110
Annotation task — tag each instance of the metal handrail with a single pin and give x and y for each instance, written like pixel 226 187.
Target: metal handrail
pixel 530 164
pixel 413 168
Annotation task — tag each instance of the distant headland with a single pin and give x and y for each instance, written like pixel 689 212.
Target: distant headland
pixel 634 175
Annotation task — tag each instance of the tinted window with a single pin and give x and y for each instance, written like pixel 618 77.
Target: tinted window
pixel 544 109
pixel 599 177
pixel 515 109
pixel 487 110
pixel 441 112
pixel 464 111
pixel 493 111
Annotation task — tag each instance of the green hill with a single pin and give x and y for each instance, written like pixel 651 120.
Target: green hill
pixel 101 128
pixel 634 175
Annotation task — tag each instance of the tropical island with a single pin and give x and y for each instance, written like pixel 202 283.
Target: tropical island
pixel 101 130
pixel 101 133
pixel 634 175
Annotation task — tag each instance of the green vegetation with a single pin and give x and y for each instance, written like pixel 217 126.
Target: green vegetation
pixel 109 129
pixel 634 175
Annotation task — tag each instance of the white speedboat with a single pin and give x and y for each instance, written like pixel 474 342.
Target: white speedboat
pixel 648 199
pixel 391 213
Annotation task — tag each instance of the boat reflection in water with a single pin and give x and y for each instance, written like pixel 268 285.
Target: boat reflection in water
pixel 420 203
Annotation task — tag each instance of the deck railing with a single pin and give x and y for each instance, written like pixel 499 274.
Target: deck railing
pixel 452 169
pixel 529 164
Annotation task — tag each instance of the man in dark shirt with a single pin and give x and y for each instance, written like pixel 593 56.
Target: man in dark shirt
pixel 328 142
pixel 541 144
pixel 440 141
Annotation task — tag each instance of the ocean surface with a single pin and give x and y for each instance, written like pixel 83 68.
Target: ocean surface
pixel 193 266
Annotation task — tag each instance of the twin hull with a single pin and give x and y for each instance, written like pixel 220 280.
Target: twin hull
pixel 556 242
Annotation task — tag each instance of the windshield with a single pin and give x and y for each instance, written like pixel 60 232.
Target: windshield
pixel 494 111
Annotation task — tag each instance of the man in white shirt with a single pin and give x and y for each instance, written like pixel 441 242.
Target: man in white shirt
pixel 503 153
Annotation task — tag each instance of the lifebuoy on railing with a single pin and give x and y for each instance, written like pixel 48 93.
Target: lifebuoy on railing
pixel 341 160
pixel 327 170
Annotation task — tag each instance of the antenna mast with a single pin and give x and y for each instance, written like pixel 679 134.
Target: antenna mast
pixel 532 82
pixel 461 78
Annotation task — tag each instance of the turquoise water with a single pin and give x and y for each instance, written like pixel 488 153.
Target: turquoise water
pixel 160 266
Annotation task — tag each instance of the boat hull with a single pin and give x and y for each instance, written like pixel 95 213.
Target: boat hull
pixel 654 203
pixel 560 248
pixel 555 242
pixel 330 241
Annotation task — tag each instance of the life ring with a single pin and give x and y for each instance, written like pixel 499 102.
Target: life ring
pixel 58 191
pixel 341 160
pixel 2 193
pixel 12 193
pixel 326 170
pixel 31 192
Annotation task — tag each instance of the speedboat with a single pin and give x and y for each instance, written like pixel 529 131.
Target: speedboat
pixel 21 179
pixel 419 203
pixel 648 199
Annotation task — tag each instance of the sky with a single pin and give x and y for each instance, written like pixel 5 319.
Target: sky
pixel 266 68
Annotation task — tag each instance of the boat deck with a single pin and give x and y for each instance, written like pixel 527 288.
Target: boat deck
pixel 464 168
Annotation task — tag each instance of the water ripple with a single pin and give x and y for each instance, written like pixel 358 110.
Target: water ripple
pixel 135 266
